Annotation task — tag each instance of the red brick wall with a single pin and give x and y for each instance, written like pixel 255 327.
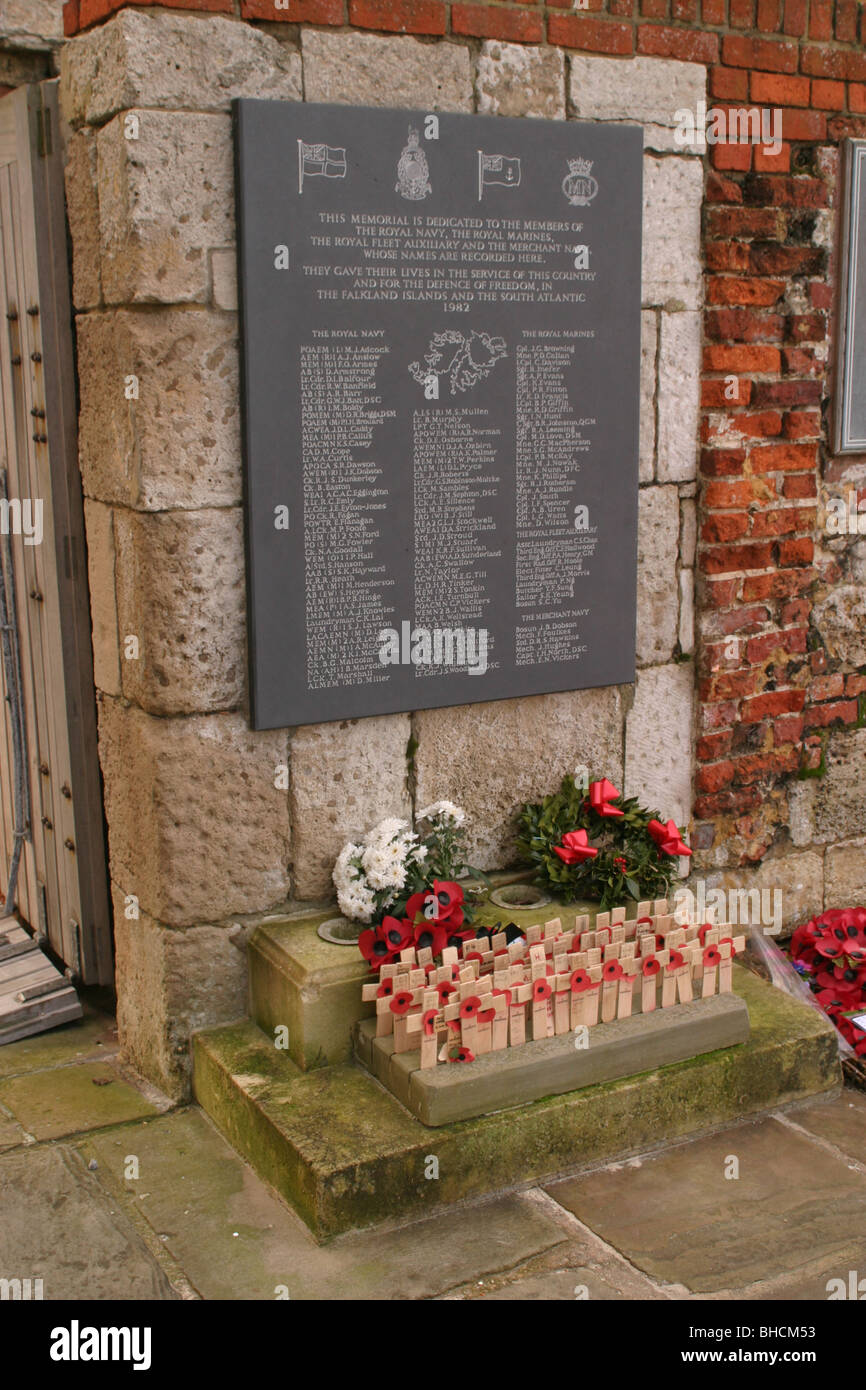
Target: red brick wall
pixel 766 686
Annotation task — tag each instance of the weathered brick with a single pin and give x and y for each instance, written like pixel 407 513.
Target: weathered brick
pixel 771 458
pixel 593 35
pixel 689 45
pixel 726 558
pixel 787 392
pixel 794 22
pixel 770 703
pixel 765 54
pixel 829 96
pixel 727 289
pixel 492 22
pixel 777 90
pixel 727 358
pixel 403 16
pixel 841 712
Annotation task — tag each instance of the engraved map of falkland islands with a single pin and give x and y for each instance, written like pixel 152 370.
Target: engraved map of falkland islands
pixel 441 336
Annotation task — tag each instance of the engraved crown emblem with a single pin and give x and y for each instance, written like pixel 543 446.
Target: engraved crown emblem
pixel 580 166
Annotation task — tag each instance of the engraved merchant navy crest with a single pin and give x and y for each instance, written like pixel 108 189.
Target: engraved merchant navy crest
pixel 578 185
pixel 413 176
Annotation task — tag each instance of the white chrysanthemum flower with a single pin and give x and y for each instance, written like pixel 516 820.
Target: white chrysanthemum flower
pixel 444 811
pixel 384 867
pixel 385 831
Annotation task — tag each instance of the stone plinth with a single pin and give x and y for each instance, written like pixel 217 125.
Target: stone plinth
pixel 516 1076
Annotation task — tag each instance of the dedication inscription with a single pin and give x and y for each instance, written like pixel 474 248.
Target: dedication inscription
pixel 441 339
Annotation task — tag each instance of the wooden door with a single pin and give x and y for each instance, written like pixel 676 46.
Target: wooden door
pixel 62 883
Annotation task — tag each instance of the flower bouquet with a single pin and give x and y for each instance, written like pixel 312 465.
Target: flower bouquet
pixel 404 885
pixel 596 844
pixel 829 953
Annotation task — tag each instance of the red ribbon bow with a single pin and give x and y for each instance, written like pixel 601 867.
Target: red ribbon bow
pixel 601 794
pixel 668 838
pixel 574 848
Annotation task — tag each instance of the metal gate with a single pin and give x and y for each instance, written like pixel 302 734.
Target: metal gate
pixel 62 892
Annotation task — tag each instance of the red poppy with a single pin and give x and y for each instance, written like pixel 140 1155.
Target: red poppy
pixel 444 989
pixel 428 1023
pixel 398 934
pixel 430 936
pixel 607 939
pixel 712 956
pixel 575 848
pixel 469 1007
pixel 438 906
pixel 385 990
pixel 401 1003
pixel 453 1024
pixel 677 960
pixel 474 955
pixel 651 966
pixel 374 948
pixel 580 981
pixel 702 932
pixel 640 920
pixel 507 993
pixel 600 795
pixel 462 1055
pixel 667 837
pixel 487 1016
pixel 611 970
pixel 540 990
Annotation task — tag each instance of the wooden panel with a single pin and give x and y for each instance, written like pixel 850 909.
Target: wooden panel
pixel 63 885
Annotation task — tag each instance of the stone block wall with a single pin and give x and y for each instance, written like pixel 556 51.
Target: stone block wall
pixel 208 822
pixel 744 601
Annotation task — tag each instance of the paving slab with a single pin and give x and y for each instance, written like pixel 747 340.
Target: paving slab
pixel 235 1240
pixel 795 1210
pixel 88 1039
pixel 11 1133
pixel 68 1100
pixel 579 1283
pixel 841 1122
pixel 57 1225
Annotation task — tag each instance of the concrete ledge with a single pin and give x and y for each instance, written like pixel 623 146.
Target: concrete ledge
pixel 341 1150
pixel 552 1066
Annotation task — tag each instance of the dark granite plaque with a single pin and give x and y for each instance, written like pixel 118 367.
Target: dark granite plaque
pixel 850 411
pixel 441 345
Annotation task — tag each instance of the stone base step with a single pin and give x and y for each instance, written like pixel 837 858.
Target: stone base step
pixel 515 1076
pixel 342 1151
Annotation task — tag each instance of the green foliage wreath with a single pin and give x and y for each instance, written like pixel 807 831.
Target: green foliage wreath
pixel 630 863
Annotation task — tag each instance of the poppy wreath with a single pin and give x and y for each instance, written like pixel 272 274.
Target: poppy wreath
pixel 599 845
pixel 434 918
pixel 829 952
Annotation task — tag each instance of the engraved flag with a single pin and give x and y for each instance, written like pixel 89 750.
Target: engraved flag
pixel 320 159
pixel 497 168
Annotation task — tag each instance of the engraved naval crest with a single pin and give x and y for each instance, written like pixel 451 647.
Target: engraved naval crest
pixel 413 176
pixel 463 360
pixel 578 185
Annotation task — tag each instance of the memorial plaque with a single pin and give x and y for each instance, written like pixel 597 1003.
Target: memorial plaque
pixel 441 345
pixel 850 412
